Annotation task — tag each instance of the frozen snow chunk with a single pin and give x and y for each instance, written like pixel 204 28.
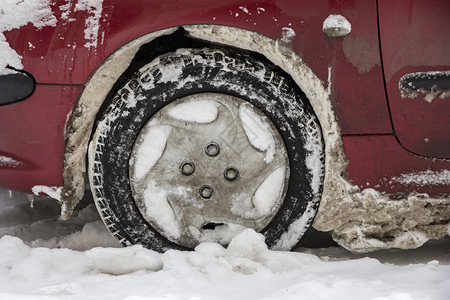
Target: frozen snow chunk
pixel 208 248
pixel 336 26
pixel 287 34
pixel 197 111
pixel 258 132
pixel 120 261
pixel 150 148
pixel 269 191
pixel 52 191
pixel 248 244
pixel 159 210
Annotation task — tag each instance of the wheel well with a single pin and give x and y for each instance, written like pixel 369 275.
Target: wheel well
pixel 110 76
pixel 170 43
pixel 338 198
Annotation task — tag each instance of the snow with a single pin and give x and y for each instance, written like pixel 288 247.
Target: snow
pixel 149 148
pixel 15 14
pixel 436 91
pixel 269 191
pixel 44 258
pixel 52 191
pixel 6 161
pixel 159 210
pixel 198 111
pixel 336 26
pixel 287 34
pixel 18 13
pixel 222 234
pixel 92 24
pixel 424 178
pixel 258 132
pixel 244 9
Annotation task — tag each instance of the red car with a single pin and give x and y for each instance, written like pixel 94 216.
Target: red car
pixel 190 121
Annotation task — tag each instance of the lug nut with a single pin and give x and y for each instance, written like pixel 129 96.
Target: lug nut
pixel 231 173
pixel 212 149
pixel 206 191
pixel 187 168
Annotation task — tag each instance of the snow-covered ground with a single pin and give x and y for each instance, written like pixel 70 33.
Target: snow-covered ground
pixel 44 258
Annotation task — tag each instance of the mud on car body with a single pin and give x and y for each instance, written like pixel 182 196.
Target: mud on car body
pixel 191 120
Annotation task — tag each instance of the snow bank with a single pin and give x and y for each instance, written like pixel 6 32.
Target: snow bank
pixel 46 258
pixel 245 270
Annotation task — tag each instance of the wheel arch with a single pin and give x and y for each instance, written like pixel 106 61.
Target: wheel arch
pixel 107 76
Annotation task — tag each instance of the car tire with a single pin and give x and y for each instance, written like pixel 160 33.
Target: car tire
pixel 202 143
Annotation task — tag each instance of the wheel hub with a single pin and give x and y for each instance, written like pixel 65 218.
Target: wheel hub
pixel 210 177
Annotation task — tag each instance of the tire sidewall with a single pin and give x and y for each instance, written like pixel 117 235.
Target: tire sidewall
pixel 186 72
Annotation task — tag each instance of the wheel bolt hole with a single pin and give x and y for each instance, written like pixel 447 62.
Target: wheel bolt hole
pixel 212 149
pixel 187 168
pixel 231 173
pixel 206 192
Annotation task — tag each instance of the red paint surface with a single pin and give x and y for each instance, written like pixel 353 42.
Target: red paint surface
pixel 59 54
pixel 375 160
pixel 32 132
pixel 415 38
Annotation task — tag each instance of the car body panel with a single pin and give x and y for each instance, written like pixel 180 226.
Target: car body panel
pixel 63 57
pixel 33 136
pixel 379 162
pixel 414 38
pixel 80 59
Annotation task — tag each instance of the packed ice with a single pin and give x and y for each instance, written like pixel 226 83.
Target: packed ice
pixel 151 144
pixel 197 111
pixel 336 26
pixel 159 209
pixel 258 132
pixel 269 191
